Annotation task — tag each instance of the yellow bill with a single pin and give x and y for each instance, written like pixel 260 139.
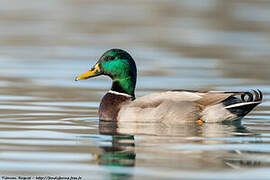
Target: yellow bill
pixel 95 71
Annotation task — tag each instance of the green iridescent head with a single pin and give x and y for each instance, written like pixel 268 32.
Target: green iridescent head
pixel 119 66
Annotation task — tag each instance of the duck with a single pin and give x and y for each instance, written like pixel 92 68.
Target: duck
pixel 170 107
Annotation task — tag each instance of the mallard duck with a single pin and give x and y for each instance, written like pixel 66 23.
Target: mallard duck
pixel 175 106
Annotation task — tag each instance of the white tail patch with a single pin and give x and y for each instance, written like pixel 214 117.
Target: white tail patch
pixel 241 104
pixel 217 113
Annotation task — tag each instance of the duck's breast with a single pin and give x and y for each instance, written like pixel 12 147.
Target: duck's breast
pixel 110 105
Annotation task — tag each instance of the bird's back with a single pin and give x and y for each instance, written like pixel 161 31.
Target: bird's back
pixel 183 106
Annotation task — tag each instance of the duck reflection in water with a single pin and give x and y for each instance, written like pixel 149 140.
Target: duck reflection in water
pixel 121 153
pixel 215 135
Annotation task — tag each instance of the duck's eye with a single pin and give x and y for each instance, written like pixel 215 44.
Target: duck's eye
pixel 109 58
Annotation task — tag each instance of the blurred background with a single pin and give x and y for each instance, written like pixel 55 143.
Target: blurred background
pixel 50 122
pixel 224 39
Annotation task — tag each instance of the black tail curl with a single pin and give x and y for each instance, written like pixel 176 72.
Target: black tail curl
pixel 252 96
pixel 249 101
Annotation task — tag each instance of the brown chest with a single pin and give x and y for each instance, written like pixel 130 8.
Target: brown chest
pixel 110 105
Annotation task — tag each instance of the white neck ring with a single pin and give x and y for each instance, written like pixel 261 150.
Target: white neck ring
pixel 118 93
